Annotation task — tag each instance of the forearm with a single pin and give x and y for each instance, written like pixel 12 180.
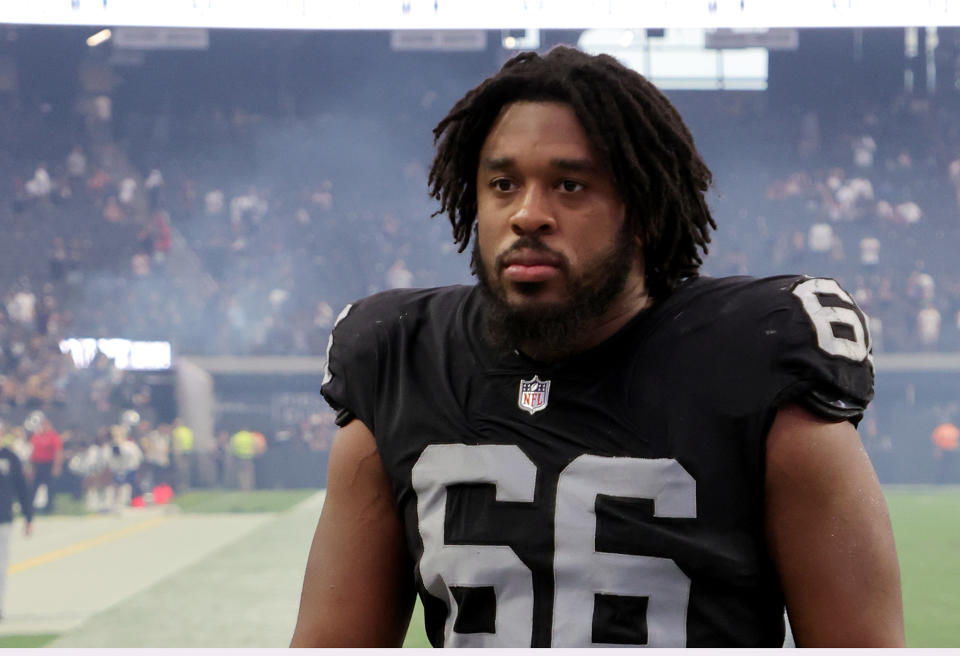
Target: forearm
pixel 352 605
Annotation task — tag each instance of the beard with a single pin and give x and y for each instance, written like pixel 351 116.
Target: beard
pixel 551 330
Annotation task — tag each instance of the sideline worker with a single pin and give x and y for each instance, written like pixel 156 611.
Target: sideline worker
pixel 12 482
pixel 183 455
pixel 47 459
pixel 946 440
pixel 243 448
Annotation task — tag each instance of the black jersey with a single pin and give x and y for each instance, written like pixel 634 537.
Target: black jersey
pixel 613 498
pixel 13 487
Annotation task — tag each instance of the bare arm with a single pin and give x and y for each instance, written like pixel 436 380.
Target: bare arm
pixel 357 590
pixel 830 536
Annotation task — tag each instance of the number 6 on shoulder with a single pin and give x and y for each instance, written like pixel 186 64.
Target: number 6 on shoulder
pixel 824 317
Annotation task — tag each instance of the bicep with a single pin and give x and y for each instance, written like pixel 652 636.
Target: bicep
pixel 357 589
pixel 829 535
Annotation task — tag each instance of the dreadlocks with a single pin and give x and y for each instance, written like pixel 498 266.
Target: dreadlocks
pixel 649 151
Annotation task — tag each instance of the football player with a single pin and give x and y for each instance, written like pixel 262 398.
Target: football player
pixel 595 445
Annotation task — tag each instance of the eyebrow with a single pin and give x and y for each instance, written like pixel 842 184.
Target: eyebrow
pixel 581 165
pixel 497 163
pixel 576 165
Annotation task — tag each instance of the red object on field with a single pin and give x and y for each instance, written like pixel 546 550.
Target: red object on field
pixel 946 437
pixel 162 494
pixel 137 502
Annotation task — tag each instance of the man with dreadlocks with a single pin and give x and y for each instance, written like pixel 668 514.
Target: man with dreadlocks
pixel 595 445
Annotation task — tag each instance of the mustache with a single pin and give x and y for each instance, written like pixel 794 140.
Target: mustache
pixel 534 244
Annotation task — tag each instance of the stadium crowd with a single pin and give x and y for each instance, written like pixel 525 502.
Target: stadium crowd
pixel 872 200
pixel 257 257
pixel 227 232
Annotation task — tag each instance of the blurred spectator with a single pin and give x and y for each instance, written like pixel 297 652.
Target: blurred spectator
pixel 91 464
pixel 863 149
pixel 21 306
pixel 953 172
pixel 398 276
pixel 928 327
pixel 39 186
pixel 820 239
pixel 946 441
pixel 99 181
pixel 157 445
pixel 76 163
pixel 127 192
pixel 921 285
pixel 13 486
pixel 213 202
pixel 124 460
pixel 161 234
pixel 113 212
pixel 907 213
pixel 869 251
pixel 243 449
pixel 46 460
pixel 183 455
pixel 154 185
pixel 140 265
pixel 15 438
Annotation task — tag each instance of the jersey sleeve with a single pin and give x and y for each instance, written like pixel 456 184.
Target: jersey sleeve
pixel 352 364
pixel 823 356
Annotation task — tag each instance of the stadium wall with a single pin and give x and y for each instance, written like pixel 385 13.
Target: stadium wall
pixel 914 392
pixel 277 396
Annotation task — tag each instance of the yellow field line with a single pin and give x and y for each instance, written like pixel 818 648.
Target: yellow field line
pixel 83 546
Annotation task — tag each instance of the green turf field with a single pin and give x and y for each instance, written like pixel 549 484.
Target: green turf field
pixel 926 522
pixel 66 505
pixel 211 501
pixel 926 526
pixel 416 634
pixel 230 501
pixel 22 641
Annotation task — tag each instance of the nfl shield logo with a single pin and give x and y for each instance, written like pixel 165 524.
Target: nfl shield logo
pixel 534 394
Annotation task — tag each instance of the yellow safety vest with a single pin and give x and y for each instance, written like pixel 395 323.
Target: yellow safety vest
pixel 183 436
pixel 243 444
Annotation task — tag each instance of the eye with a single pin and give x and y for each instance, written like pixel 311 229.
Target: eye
pixel 571 186
pixel 502 184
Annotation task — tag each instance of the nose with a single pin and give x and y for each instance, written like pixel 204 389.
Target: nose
pixel 534 214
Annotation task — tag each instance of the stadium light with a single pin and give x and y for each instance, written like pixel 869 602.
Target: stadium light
pixel 527 39
pixel 100 37
pixel 125 353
